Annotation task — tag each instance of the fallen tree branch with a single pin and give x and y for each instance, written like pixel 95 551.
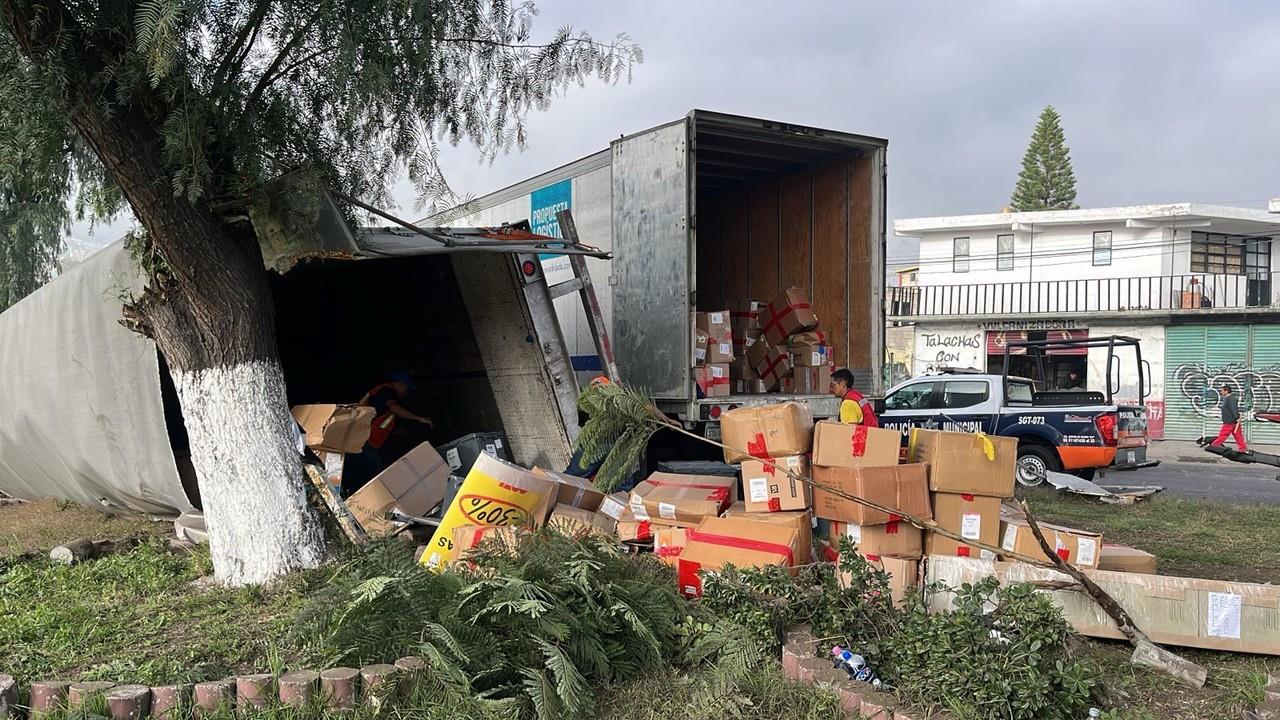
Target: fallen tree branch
pixel 1145 652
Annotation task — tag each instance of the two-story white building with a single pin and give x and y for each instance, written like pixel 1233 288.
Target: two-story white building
pixel 1196 283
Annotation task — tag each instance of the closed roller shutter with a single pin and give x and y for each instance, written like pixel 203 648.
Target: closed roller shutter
pixel 1199 359
pixel 1265 379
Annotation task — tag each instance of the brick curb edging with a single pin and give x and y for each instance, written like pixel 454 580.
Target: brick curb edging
pixel 338 688
pixel 801 662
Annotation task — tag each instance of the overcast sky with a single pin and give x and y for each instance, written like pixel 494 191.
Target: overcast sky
pixel 1161 101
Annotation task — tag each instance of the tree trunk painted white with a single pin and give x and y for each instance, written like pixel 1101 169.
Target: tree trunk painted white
pixel 251 479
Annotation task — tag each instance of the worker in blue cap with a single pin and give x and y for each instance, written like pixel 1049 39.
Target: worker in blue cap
pixel 385 399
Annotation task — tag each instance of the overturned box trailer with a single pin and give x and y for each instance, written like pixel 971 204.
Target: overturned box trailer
pixel 90 413
pixel 708 209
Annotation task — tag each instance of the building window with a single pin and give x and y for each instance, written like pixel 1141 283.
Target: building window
pixel 1102 247
pixel 960 255
pixel 1004 252
pixel 1217 254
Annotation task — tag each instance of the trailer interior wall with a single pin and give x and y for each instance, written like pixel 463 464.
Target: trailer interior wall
pixel 814 228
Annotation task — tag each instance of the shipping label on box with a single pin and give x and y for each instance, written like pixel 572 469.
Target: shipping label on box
pixel 767 486
pixel 778 430
pixel 700 342
pixel 840 445
pixel 975 517
pixel 974 463
pixel 1078 547
pixel 615 505
pixel 902 487
pixel 787 315
pixel 334 428
pixel 741 542
pixel 898 538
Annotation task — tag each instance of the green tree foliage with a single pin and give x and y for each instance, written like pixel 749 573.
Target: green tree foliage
pixel 1046 181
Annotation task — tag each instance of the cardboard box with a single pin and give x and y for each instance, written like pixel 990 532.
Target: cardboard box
pixel 788 314
pixel 631 529
pixel 810 338
pixel 713 380
pixel 615 505
pixel 812 380
pixel 898 538
pixel 744 317
pixel 904 575
pixel 807 353
pixel 778 430
pixel 839 445
pixel 467 537
pixel 740 369
pixel 668 544
pixel 1188 612
pixel 575 521
pixel 716 325
pixel 742 344
pixel 1122 558
pixel 1078 547
pixel 786 384
pixel 767 487
pixel 571 490
pixel 758 354
pixel 720 351
pixel 776 369
pixel 414 484
pixel 741 542
pixel 975 517
pixel 958 462
pixel 700 342
pixel 334 428
pixel 668 497
pixel 750 387
pixel 904 487
pixel 802 520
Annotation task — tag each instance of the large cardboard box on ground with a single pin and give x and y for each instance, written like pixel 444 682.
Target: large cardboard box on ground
pixel 713 379
pixel 681 498
pixel 413 485
pixel 958 462
pixel 802 520
pixel 1187 612
pixel 768 488
pixel 904 574
pixel 334 428
pixel 788 314
pixel 668 544
pixel 903 487
pixel 898 538
pixel 1078 547
pixel 778 430
pixel 812 380
pixel 975 517
pixel 742 542
pixel 570 490
pixel 1122 558
pixel 839 445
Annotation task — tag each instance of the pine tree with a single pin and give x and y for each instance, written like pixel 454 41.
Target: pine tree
pixel 186 110
pixel 1047 181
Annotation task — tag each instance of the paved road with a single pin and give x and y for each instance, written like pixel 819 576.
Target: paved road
pixel 1216 480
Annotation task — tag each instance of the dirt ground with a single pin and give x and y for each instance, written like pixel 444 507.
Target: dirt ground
pixel 42 524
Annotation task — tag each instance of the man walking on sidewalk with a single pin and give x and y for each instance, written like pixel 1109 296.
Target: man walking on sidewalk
pixel 1230 419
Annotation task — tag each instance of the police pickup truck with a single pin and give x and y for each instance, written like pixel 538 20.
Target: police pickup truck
pixel 1076 431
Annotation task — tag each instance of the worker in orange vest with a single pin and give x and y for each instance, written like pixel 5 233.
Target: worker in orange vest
pixel 385 399
pixel 855 409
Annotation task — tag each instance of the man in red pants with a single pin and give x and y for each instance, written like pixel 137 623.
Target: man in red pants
pixel 1230 419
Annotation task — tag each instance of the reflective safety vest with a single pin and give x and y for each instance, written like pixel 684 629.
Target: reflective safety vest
pixel 382 424
pixel 868 412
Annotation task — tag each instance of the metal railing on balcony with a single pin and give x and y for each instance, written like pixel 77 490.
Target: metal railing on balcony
pixel 1195 292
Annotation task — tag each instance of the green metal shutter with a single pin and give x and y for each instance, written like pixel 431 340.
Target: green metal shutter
pixel 1265 382
pixel 1184 382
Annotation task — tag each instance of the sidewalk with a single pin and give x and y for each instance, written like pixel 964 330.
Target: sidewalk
pixel 1187 451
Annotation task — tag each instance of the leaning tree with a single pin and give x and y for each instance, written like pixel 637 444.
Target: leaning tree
pixel 191 106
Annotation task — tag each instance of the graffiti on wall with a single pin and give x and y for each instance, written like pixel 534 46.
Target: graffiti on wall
pixel 1257 388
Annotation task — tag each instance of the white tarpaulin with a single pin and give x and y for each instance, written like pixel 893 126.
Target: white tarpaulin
pixel 81 416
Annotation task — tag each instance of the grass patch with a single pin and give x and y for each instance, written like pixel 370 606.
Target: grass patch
pixel 43 524
pixel 1192 538
pixel 146 615
pixel 763 695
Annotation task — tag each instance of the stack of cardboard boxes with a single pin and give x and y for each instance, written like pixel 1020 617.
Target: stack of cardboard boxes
pixel 778 347
pixel 970 475
pixel 712 353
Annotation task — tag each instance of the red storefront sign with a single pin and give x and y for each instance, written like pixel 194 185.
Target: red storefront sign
pixel 998 339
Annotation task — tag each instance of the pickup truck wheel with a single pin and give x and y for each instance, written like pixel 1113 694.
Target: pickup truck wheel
pixel 1034 461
